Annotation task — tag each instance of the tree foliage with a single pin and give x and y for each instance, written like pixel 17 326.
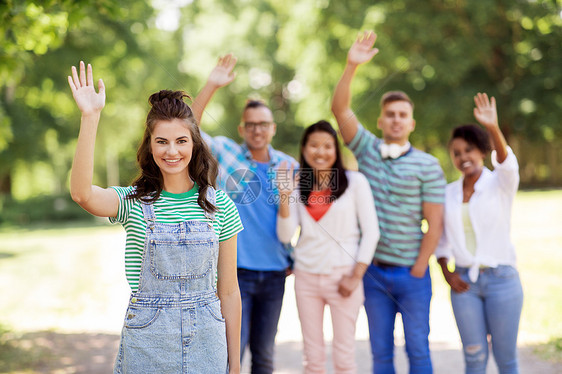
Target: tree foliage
pixel 290 53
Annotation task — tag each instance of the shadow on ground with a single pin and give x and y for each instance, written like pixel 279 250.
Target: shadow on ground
pixel 52 352
pixel 91 353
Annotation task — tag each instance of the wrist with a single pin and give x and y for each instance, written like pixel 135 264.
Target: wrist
pixel 93 115
pixel 352 66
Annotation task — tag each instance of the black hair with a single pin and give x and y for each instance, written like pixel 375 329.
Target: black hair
pixel 307 181
pixel 474 135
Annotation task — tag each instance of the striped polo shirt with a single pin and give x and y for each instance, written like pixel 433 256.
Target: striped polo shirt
pixel 169 208
pixel 399 188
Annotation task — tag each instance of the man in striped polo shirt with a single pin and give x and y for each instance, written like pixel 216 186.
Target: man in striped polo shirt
pixel 408 187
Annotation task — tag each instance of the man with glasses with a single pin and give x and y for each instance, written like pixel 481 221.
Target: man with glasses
pixel 247 173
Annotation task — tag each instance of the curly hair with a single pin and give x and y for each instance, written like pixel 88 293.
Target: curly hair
pixel 203 168
pixel 474 135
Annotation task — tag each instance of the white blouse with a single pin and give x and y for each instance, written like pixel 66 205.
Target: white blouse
pixel 490 213
pixel 347 233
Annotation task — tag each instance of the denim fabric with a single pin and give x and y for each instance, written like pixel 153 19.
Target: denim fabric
pixel 174 323
pixel 262 296
pixel 390 290
pixel 492 306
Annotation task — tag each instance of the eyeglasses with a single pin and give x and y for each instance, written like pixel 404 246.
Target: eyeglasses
pixel 251 126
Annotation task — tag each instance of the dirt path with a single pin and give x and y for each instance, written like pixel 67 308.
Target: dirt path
pixel 91 353
pixel 94 353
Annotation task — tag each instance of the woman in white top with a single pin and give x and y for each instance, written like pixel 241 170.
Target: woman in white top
pixel 486 292
pixel 339 232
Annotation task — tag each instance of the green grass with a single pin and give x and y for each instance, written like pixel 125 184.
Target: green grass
pixel 57 277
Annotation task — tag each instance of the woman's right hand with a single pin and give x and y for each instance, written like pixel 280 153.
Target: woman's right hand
pixel 456 282
pixel 286 181
pixel 82 86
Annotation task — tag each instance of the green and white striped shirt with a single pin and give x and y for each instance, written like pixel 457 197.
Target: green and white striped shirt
pixel 169 208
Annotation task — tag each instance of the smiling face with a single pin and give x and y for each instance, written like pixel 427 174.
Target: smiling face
pixel 171 144
pixel 320 152
pixel 257 137
pixel 467 157
pixel 396 121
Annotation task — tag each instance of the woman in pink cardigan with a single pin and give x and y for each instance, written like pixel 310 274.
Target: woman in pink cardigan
pixel 339 231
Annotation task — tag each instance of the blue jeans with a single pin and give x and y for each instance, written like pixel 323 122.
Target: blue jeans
pixel 262 296
pixel 390 290
pixel 492 306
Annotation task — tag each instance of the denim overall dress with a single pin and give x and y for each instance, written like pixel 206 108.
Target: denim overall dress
pixel 173 322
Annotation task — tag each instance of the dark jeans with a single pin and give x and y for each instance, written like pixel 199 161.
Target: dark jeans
pixel 262 296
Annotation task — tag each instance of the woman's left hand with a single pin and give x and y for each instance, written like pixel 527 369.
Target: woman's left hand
pixel 485 112
pixel 347 285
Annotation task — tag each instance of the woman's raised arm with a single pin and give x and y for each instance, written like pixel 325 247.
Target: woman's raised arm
pixel 95 200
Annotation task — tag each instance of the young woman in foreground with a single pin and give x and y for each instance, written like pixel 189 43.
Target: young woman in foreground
pixel 181 239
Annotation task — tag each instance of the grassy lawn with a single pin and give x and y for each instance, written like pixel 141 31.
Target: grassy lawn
pixel 71 279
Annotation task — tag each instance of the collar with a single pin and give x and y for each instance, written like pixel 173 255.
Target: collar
pixel 273 159
pixel 478 186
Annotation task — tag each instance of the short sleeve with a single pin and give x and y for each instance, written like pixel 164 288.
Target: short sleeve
pixel 232 224
pixel 125 205
pixel 433 183
pixel 362 141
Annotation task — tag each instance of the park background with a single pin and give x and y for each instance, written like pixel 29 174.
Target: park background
pixel 291 54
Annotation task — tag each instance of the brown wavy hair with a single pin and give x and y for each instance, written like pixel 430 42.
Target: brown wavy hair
pixel 203 168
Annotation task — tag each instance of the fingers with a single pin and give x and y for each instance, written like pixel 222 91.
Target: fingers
pixel 101 86
pixel 71 84
pixel 367 38
pixel 82 79
pixel 227 61
pixel 89 76
pixel 75 78
pixel 482 101
pixel 82 74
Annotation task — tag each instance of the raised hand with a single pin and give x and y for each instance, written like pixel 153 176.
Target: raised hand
pixel 84 92
pixel 363 49
pixel 285 180
pixel 222 74
pixel 485 111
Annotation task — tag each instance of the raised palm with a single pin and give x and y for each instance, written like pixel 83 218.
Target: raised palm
pixel 88 100
pixel 286 181
pixel 222 74
pixel 485 111
pixel 363 49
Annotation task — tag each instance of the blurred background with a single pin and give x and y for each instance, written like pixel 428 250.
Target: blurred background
pixel 291 54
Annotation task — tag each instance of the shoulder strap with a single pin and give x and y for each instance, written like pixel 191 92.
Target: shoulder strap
pixel 148 213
